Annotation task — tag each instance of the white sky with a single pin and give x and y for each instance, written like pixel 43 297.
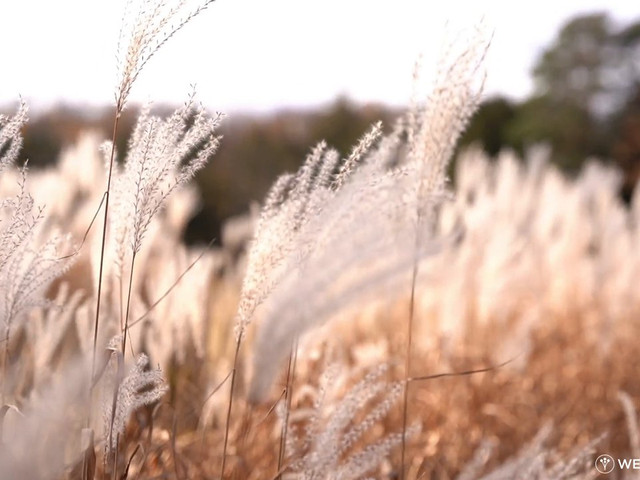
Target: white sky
pixel 264 54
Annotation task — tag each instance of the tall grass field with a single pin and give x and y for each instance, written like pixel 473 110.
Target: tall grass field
pixel 381 322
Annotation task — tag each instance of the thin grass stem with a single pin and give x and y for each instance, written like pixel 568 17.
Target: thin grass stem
pixel 103 245
pixel 288 397
pixel 173 285
pixel 407 370
pixel 228 419
pixel 126 318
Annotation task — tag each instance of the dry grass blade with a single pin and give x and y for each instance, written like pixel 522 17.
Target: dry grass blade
pixel 125 474
pixel 288 392
pixel 462 373
pixel 87 231
pixel 171 287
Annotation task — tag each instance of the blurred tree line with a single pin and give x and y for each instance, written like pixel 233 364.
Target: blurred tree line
pixel 586 103
pixel 255 149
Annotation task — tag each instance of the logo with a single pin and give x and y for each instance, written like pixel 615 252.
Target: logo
pixel 605 464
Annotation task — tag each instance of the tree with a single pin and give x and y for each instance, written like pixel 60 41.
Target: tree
pixel 489 125
pixel 626 145
pixel 567 128
pixel 592 63
pixel 573 70
pixel 583 83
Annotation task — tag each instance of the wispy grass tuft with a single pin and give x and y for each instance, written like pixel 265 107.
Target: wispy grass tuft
pixel 326 240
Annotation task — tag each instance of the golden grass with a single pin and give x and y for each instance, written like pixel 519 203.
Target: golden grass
pixel 568 381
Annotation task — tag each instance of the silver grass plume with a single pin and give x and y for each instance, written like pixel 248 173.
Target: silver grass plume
pixel 38 435
pixel 537 461
pixel 141 386
pixel 163 156
pixel 28 263
pixel 10 137
pixel 290 204
pixel 331 434
pixel 145 27
pixel 320 246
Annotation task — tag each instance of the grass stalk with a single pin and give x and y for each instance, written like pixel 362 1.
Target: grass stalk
pixel 172 286
pixel 291 369
pixel 126 317
pixel 4 362
pixel 118 112
pixel 407 370
pixel 105 199
pixel 229 406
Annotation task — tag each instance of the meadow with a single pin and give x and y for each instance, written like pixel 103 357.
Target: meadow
pixel 380 322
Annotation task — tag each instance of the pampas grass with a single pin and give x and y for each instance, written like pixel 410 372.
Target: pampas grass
pixel 516 265
pixel 361 231
pixel 162 157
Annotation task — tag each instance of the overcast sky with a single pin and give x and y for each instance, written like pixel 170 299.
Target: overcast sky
pixel 264 54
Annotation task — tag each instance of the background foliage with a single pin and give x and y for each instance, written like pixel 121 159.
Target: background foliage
pixel 586 103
